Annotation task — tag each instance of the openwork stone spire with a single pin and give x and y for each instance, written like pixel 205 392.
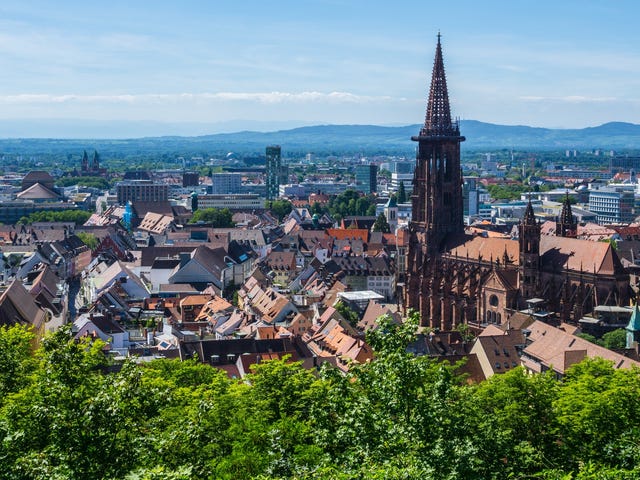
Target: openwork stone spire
pixel 566 217
pixel 438 118
pixel 566 225
pixel 529 217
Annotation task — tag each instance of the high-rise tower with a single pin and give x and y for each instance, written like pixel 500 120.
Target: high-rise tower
pixel 273 171
pixel 437 188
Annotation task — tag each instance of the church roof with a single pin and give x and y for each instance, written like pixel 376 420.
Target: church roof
pixel 575 254
pixel 556 253
pixel 486 248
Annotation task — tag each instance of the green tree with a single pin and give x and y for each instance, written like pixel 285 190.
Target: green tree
pixel 218 217
pixel 89 239
pixel 16 361
pixel 347 313
pixel 402 193
pixel 381 224
pixel 280 208
pixel 615 340
pixel 77 216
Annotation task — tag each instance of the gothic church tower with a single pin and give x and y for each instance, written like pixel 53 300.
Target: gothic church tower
pixel 437 189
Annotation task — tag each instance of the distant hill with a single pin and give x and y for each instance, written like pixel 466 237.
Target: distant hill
pixel 341 139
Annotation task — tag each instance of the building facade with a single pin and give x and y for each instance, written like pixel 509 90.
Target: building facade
pixel 141 191
pixel 612 205
pixel 232 202
pixel 226 183
pixel 366 178
pixel 273 171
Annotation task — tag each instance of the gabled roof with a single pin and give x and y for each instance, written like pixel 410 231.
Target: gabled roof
pixel 577 255
pixel 155 223
pixel 37 191
pixel 554 348
pixel 349 234
pixel 488 248
pixel 211 259
pixel 18 307
pixel 374 311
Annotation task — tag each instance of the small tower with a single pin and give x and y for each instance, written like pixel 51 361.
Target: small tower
pixel 84 164
pixel 95 163
pixel 391 212
pixel 566 224
pixel 529 240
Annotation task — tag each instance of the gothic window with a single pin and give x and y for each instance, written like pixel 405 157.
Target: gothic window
pixel 493 300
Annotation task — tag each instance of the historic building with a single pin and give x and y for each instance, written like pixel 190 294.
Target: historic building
pixel 455 278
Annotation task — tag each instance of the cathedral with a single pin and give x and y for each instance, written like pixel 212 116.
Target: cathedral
pixel 455 278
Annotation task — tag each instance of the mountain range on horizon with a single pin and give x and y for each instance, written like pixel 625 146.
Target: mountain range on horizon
pixel 319 139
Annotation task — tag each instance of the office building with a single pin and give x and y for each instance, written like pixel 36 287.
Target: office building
pixel 273 171
pixel 226 183
pixel 141 191
pixel 612 205
pixel 366 178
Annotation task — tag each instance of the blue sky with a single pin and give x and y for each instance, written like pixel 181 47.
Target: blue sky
pixel 242 64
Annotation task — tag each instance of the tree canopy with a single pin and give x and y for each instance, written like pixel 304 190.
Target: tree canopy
pixel 402 193
pixel 77 216
pixel 218 217
pixel 67 412
pixel 381 224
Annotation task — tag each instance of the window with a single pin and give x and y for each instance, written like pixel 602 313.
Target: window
pixel 493 300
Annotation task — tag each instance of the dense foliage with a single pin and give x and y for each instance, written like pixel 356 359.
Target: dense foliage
pixel 280 208
pixel 89 239
pixel 349 203
pixel 217 217
pixel 77 216
pixel 381 224
pixel 95 182
pixel 64 414
pixel 402 193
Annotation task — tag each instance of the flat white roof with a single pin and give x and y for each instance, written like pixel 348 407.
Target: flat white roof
pixel 360 296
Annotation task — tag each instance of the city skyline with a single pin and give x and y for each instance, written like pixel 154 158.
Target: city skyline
pixel 256 65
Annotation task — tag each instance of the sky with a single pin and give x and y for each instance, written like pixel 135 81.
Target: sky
pixel 199 67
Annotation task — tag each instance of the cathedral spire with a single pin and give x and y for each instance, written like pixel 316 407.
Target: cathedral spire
pixel 529 217
pixel 438 118
pixel 566 225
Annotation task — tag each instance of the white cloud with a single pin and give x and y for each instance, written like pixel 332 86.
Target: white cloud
pixel 568 99
pixel 264 98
